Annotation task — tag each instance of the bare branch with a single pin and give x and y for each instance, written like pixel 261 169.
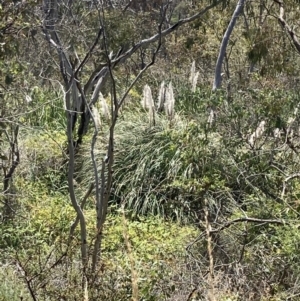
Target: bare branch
pixel 285 25
pixel 238 220
pixel 249 219
pixel 89 53
pixel 163 33
pixel 15 160
pixel 291 177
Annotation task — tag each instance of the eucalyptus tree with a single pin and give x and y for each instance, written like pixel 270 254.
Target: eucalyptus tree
pixel 222 52
pixel 259 31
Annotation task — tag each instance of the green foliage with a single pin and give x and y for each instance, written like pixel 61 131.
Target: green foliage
pixel 42 157
pixel 196 103
pixel 170 169
pixel 13 24
pixel 11 288
pixel 47 214
pixel 151 237
pixel 46 109
pixel 157 249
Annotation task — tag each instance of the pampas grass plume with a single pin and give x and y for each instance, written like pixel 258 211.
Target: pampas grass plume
pixel 104 107
pixel 170 101
pixel 258 133
pixel 147 100
pixel 194 83
pixel 148 103
pixel 192 72
pixel 193 77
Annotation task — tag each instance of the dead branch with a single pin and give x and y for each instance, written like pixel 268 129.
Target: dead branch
pixel 291 177
pixel 286 26
pixel 251 220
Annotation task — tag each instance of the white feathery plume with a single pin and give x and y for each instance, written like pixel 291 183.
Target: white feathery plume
pixel 291 123
pixel 193 77
pixel 170 101
pixel 258 133
pixel 148 103
pixel 194 82
pixel 192 72
pixel 161 97
pixel 211 117
pixel 147 100
pixel 104 107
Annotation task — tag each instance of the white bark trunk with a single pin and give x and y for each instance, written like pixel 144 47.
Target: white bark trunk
pixel 218 76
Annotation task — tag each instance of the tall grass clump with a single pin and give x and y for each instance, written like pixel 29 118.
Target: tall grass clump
pixel 45 109
pixel 169 168
pixel 163 169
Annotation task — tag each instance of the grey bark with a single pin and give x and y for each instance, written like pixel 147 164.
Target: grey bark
pixel 218 78
pixel 71 99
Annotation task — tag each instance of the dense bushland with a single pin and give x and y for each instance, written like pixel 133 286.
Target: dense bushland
pixel 204 200
pixel 173 169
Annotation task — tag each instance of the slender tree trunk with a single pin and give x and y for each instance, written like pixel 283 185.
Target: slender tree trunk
pixel 72 103
pixel 218 77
